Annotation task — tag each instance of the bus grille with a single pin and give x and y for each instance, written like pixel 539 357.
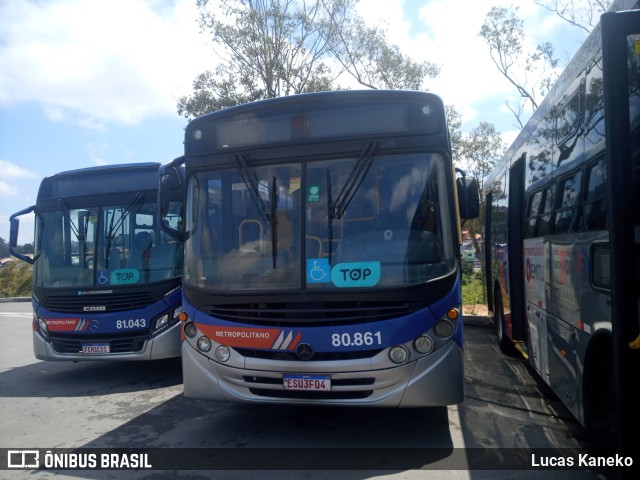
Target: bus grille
pixel 312 314
pixel 117 344
pixel 117 302
pixel 317 356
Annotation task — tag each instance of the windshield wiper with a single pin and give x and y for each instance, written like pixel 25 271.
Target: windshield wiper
pixel 251 182
pixel 330 215
pixel 349 189
pixel 273 200
pixel 354 180
pixel 113 228
pixel 268 211
pixel 81 236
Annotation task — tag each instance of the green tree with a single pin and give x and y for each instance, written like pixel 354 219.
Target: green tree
pixel 15 279
pixel 532 72
pixel 583 14
pixel 364 53
pixel 454 123
pixel 4 248
pixel 272 48
pixel 479 150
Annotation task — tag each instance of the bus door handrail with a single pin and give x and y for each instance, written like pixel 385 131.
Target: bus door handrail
pixel 241 234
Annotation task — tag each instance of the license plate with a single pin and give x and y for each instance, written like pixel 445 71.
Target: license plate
pixel 313 383
pixel 95 348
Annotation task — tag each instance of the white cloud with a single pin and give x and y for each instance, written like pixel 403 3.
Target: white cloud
pixel 15 184
pixel 447 33
pixel 121 61
pixel 11 170
pixel 96 153
pixel 468 75
pixel 101 61
pixel 509 136
pixel 7 190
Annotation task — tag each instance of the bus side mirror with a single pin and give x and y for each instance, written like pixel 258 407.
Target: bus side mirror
pixel 171 177
pixel 163 195
pixel 13 234
pixel 468 198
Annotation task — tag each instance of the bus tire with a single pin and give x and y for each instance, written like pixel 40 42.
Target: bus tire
pixel 504 342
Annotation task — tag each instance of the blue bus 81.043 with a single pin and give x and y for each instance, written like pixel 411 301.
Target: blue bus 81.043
pixel 106 267
pixel 322 252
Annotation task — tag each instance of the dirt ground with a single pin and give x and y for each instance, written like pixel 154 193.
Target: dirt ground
pixel 477 309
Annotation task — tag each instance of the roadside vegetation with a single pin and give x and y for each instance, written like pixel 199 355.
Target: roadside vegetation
pixel 473 297
pixel 15 279
pixel 15 276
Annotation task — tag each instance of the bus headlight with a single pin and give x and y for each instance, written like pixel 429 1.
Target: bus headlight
pixel 42 326
pixel 222 353
pixel 204 344
pixel 165 321
pixel 161 322
pixel 423 344
pixel 443 329
pixel 190 330
pixel 440 334
pixel 398 354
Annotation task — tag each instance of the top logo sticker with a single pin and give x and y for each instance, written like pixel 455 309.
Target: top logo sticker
pixel 355 274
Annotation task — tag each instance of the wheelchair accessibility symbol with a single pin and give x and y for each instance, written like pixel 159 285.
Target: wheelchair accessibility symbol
pixel 104 278
pixel 318 270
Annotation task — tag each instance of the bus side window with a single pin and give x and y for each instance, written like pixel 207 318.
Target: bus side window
pixel 594 215
pixel 545 222
pixel 532 214
pixel 567 212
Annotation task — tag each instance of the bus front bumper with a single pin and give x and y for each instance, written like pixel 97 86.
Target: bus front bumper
pixel 432 380
pixel 164 345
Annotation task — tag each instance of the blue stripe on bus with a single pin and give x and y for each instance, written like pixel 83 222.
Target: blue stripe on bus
pixel 364 336
pixel 92 323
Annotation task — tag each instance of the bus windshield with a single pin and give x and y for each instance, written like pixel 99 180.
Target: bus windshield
pixel 341 223
pixel 101 246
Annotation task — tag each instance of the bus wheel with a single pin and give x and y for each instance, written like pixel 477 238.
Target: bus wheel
pixel 504 342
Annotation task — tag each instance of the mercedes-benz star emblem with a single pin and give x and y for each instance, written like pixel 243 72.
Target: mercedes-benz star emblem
pixel 304 351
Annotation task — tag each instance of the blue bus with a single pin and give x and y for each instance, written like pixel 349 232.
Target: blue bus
pixel 322 252
pixel 106 267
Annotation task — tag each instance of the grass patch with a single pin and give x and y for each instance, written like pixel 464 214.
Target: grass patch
pixel 473 296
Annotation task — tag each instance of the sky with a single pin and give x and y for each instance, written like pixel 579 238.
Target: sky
pixel 86 83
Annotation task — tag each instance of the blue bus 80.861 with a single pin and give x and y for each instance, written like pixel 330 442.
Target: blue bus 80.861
pixel 322 252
